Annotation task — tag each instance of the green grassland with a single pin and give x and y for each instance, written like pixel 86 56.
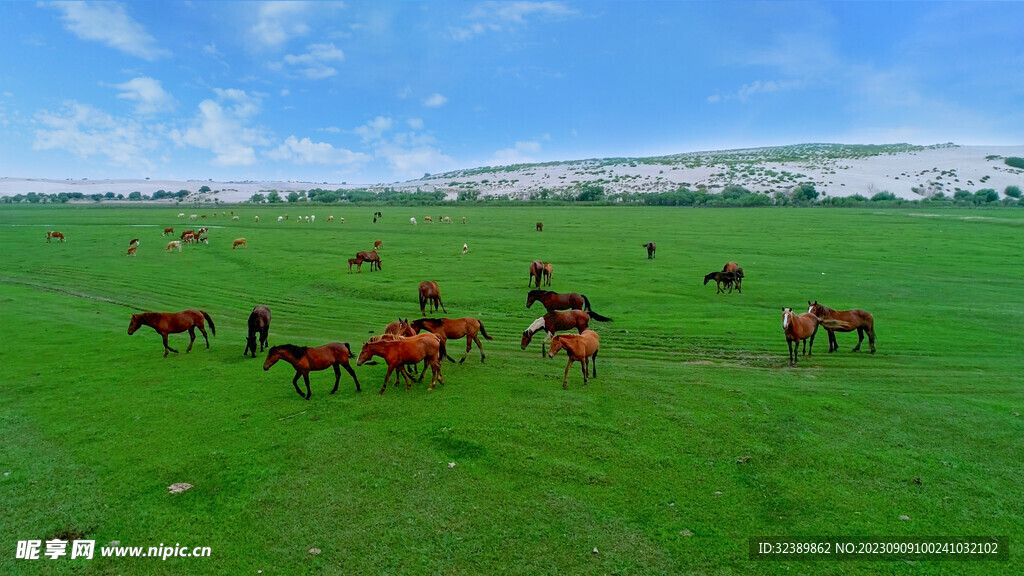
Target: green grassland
pixel 695 436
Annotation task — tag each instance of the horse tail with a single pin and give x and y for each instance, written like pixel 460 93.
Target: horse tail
pixel 213 329
pixel 833 324
pixel 484 332
pixel 593 314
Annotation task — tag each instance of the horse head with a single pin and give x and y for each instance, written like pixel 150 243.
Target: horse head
pixel 366 353
pixel 787 316
pixel 527 338
pixel 273 355
pixel 554 346
pixel 134 324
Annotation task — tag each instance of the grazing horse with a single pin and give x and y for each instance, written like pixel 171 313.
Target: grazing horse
pixel 722 280
pixel 798 328
pixel 168 231
pixel 398 352
pixel 428 219
pixel 540 226
pixel 651 247
pixel 377 245
pixel 570 300
pixel 465 249
pixel 730 267
pixel 536 272
pixel 861 320
pixel 259 322
pixel 430 292
pixel 239 242
pixel 580 348
pixel 131 251
pixel 306 360
pixel 172 323
pixel 54 235
pixel 463 219
pixel 172 245
pixel 372 257
pixel 453 329
pixel 553 322
pixel 411 220
pixel 133 242
pixel 330 218
pixel 548 271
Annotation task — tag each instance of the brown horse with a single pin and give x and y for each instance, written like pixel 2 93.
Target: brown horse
pixel 430 292
pixel 453 329
pixel 651 247
pixel 168 231
pixel 855 319
pixel 553 322
pixel 722 280
pixel 536 271
pixel 306 360
pixel 359 265
pixel 239 242
pixel 54 235
pixel 399 352
pixel 730 267
pixel 570 300
pixel 798 328
pixel 259 322
pixel 377 245
pixel 133 242
pixel 580 348
pixel 540 226
pixel 172 323
pixel 549 270
pixel 372 257
pixel 131 251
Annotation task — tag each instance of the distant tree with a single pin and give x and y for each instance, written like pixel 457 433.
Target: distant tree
pixel 986 195
pixel 1012 191
pixel 468 195
pixel 135 195
pixel 590 193
pixel 293 196
pixel 1015 162
pixel 204 189
pixel 963 196
pixel 804 193
pixel 273 197
pixel 256 198
pixel 883 196
pixel 97 197
pixel 109 195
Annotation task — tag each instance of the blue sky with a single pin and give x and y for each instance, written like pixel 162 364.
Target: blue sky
pixel 387 91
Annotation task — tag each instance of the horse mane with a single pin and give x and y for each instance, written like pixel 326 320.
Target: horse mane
pixel 537 292
pixel 385 338
pixel 825 309
pixel 297 351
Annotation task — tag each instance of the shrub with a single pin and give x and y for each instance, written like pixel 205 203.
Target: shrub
pixel 882 196
pixel 1014 162
pixel 1012 191
pixel 986 195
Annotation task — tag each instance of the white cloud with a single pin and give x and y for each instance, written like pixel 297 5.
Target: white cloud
pixel 374 129
pixel 85 131
pixel 315 64
pixel 306 151
pixel 415 123
pixel 110 24
pixel 500 16
pixel 755 88
pixel 225 129
pixel 414 160
pixel 521 153
pixel 278 22
pixel 147 94
pixel 435 101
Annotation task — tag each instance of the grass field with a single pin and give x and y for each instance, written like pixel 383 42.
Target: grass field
pixel 695 436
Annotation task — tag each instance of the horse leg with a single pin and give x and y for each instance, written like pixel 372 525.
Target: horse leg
pixel 860 339
pixel 386 376
pixel 263 339
pixel 166 347
pixel 337 377
pixel 442 305
pixel 594 364
pixel 305 376
pixel 871 338
pixel 192 339
pixel 351 373
pixel 811 351
pixel 207 338
pixel 792 357
pixel 565 381
pixel 478 345
pixel 583 364
pixel 295 382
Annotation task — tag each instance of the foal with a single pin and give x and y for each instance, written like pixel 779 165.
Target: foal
pixel 580 348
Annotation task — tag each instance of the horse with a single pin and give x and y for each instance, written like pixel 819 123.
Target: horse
pixel 428 219
pixel 306 360
pixel 54 235
pixel 540 226
pixel 359 265
pixel 131 251
pixel 239 242
pixel 580 348
pixel 430 292
pixel 133 242
pixel 536 272
pixel 330 218
pixel 553 322
pixel 168 231
pixel 798 328
pixel 453 329
pixel 377 245
pixel 738 281
pixel 855 319
pixel 398 352
pixel 721 279
pixel 651 247
pixel 172 245
pixel 172 323
pixel 548 271
pixel 465 249
pixel 730 267
pixel 372 257
pixel 463 219
pixel 570 300
pixel 259 321
pixel 411 220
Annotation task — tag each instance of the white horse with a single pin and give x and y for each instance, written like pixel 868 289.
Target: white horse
pixel 412 221
pixel 465 248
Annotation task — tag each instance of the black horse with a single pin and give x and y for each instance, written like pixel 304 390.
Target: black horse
pixel 259 321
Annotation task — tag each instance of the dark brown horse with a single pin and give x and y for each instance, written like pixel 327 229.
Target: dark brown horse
pixel 798 328
pixel 172 323
pixel 553 322
pixel 54 235
pixel 651 247
pixel 372 257
pixel 580 348
pixel 400 352
pixel 453 329
pixel 536 271
pixel 540 226
pixel 430 292
pixel 259 323
pixel 722 280
pixel 570 300
pixel 855 319
pixel 306 360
